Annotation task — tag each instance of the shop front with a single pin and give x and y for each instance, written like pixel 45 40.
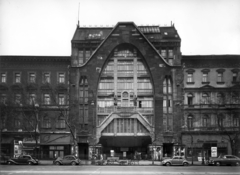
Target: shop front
pixel 55 145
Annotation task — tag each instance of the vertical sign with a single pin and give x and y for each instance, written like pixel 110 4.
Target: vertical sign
pixel 213 151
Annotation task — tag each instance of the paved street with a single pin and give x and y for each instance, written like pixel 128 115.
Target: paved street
pixel 115 170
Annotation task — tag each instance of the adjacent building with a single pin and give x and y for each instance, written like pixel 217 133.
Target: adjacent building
pixel 120 93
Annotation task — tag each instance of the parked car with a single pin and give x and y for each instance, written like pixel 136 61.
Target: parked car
pixel 176 160
pixel 67 160
pixel 23 159
pixel 225 160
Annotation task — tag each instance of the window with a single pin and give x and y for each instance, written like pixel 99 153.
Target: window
pixel 190 99
pixel 205 121
pixel 3 98
pixel 61 99
pixel 46 123
pixel 32 99
pixel 205 98
pixel 234 76
pixel 205 77
pixel 61 77
pixel 235 121
pixel 220 120
pixel 170 53
pixel 87 54
pixel 60 123
pixel 46 77
pixel 32 78
pixel 17 78
pixel 46 99
pixel 220 77
pixel 80 57
pixel 164 53
pixel 17 98
pixel 220 98
pixel 189 77
pixel 190 122
pixel 3 77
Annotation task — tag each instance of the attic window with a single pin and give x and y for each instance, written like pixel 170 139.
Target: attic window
pixel 165 33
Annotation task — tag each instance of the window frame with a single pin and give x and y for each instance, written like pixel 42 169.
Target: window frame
pixel 44 99
pixel 59 77
pixel 44 77
pixel 4 77
pixel 15 77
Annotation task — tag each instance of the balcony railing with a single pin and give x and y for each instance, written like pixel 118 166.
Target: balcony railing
pixel 118 109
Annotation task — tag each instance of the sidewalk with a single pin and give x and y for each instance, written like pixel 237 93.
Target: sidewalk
pixel 141 163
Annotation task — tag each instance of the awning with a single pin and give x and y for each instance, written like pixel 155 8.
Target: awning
pixel 55 139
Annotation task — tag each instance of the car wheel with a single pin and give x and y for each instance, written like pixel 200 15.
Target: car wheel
pixel 9 163
pixel 57 163
pixel 29 163
pixel 168 164
pixel 185 164
pixel 218 163
pixel 73 163
pixel 237 163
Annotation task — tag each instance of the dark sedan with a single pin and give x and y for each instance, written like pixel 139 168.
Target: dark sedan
pixel 225 160
pixel 67 160
pixel 23 160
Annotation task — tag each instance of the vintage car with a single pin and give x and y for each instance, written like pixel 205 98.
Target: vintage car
pixel 225 160
pixel 23 160
pixel 67 160
pixel 175 160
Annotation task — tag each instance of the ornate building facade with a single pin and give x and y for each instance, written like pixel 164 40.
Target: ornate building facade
pixel 119 93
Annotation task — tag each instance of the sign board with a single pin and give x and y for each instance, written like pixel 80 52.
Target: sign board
pixel 213 151
pixel 112 153
pixel 124 154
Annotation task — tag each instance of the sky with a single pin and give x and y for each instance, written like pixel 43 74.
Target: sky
pixel 46 27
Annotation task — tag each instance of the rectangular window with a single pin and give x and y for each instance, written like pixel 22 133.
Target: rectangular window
pixel 46 123
pixel 61 99
pixel 80 57
pixel 17 78
pixel 46 77
pixel 32 78
pixel 3 77
pixel 170 61
pixel 204 77
pixel 87 54
pixel 3 98
pixel 17 123
pixel 32 99
pixel 170 53
pixel 164 53
pixel 189 77
pixel 220 77
pixel 234 76
pixel 235 121
pixel 46 99
pixel 60 123
pixel 17 98
pixel 61 77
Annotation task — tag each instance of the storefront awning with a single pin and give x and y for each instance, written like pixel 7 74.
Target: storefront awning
pixel 55 139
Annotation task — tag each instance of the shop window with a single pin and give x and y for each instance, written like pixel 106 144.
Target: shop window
pixel 3 77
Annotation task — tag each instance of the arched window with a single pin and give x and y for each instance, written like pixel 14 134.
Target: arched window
pixel 190 121
pixel 220 119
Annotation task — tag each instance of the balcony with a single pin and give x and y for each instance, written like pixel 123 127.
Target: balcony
pixel 130 110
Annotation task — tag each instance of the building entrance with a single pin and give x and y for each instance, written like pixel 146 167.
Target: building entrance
pixel 125 146
pixel 167 149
